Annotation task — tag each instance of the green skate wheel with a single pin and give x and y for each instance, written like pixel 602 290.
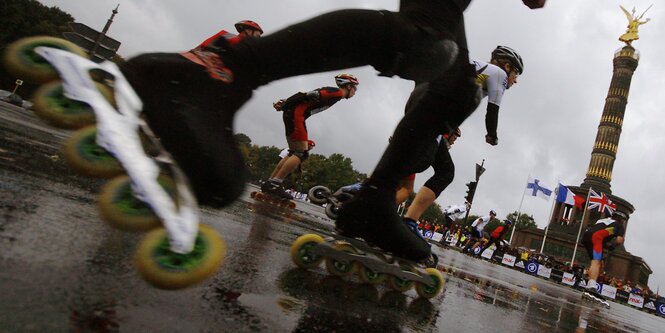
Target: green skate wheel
pixel 341 268
pixel 425 291
pixel 398 284
pixel 164 269
pixel 23 62
pixel 301 251
pixel 52 106
pixel 85 156
pixel 119 206
pixel 369 276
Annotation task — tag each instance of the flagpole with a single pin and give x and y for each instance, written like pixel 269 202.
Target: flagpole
pixel 586 205
pixel 519 211
pixel 547 227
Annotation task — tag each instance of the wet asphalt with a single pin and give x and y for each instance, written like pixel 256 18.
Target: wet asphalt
pixel 62 269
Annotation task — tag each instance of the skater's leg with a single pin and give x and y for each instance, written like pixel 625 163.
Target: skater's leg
pixel 444 172
pixel 180 104
pixel 279 166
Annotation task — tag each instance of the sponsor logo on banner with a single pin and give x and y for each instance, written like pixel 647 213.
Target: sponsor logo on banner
pixel 568 278
pixel 520 264
pixel 609 291
pixel 650 305
pixel 582 283
pixel 437 237
pixel 531 267
pixel 660 307
pixel 487 254
pixel 508 260
pixel 476 251
pixel 636 300
pixel 428 234
pixel 544 271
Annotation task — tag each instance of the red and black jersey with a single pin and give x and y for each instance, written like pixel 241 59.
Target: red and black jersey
pixel 301 106
pixel 230 38
pixel 609 225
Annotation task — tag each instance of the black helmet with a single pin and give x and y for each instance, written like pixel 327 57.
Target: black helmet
pixel 504 52
pixel 492 212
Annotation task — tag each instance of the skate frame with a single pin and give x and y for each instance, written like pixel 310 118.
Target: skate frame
pixel 377 265
pixel 118 133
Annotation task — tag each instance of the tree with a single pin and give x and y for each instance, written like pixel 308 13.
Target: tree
pixel 523 222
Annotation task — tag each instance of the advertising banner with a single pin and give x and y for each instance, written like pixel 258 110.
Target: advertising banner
pixel 487 254
pixel 544 271
pixel 636 300
pixel 568 278
pixel 508 260
pixel 609 291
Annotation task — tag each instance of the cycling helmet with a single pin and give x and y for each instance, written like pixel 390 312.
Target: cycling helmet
pixel 247 24
pixel 504 52
pixel 492 212
pixel 344 79
pixel 310 144
pixel 509 222
pixel 619 214
pixel 457 132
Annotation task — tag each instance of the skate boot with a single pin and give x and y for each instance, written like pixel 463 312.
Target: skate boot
pixel 591 294
pixel 372 216
pixel 275 194
pixel 155 190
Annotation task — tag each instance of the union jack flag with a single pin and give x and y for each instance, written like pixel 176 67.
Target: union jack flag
pixel 601 202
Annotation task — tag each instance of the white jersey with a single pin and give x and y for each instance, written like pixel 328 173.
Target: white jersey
pixel 480 223
pixel 492 79
pixel 284 153
pixel 455 212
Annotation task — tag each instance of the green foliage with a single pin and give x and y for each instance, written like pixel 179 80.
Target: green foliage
pixel 523 222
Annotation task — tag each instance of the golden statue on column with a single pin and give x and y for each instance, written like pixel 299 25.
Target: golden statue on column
pixel 633 24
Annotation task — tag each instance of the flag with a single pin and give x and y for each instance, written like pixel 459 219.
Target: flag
pixel 535 188
pixel 601 202
pixel 564 195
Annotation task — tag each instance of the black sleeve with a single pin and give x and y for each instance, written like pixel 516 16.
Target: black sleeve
pixel 492 119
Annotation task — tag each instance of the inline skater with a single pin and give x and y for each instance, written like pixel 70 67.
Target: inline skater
pixel 443 175
pixel 296 109
pixel 476 235
pixel 245 28
pixel 496 236
pixel 424 41
pixel 606 233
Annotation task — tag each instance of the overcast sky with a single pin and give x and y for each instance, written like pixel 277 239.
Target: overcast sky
pixel 548 120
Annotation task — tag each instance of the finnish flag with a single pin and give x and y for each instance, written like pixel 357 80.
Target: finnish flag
pixel 536 188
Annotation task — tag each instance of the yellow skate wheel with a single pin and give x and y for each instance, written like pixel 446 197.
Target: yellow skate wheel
pixel 85 156
pixel 52 106
pixel 23 62
pixel 119 206
pixel 398 284
pixel 341 268
pixel 166 269
pixel 425 291
pixel 301 251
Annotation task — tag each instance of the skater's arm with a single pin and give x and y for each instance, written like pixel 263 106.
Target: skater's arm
pixel 491 123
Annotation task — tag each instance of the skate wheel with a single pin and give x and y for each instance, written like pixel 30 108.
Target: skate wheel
pixel 318 194
pixel 23 62
pixel 52 106
pixel 259 196
pixel 119 207
pixel 398 284
pixel 84 155
pixel 301 251
pixel 369 276
pixel 292 205
pixel 341 268
pixel 252 195
pixel 165 269
pixel 332 211
pixel 425 291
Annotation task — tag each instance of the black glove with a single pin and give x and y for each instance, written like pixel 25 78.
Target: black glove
pixel 491 140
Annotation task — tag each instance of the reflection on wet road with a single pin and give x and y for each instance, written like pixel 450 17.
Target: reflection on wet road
pixel 63 269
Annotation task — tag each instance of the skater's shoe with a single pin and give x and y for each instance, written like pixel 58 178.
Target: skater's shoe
pixel 192 114
pixel 275 190
pixel 413 225
pixel 372 216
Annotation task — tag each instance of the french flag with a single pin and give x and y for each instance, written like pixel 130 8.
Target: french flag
pixel 564 195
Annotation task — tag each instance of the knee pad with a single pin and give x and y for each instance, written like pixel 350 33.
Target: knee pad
pixel 302 155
